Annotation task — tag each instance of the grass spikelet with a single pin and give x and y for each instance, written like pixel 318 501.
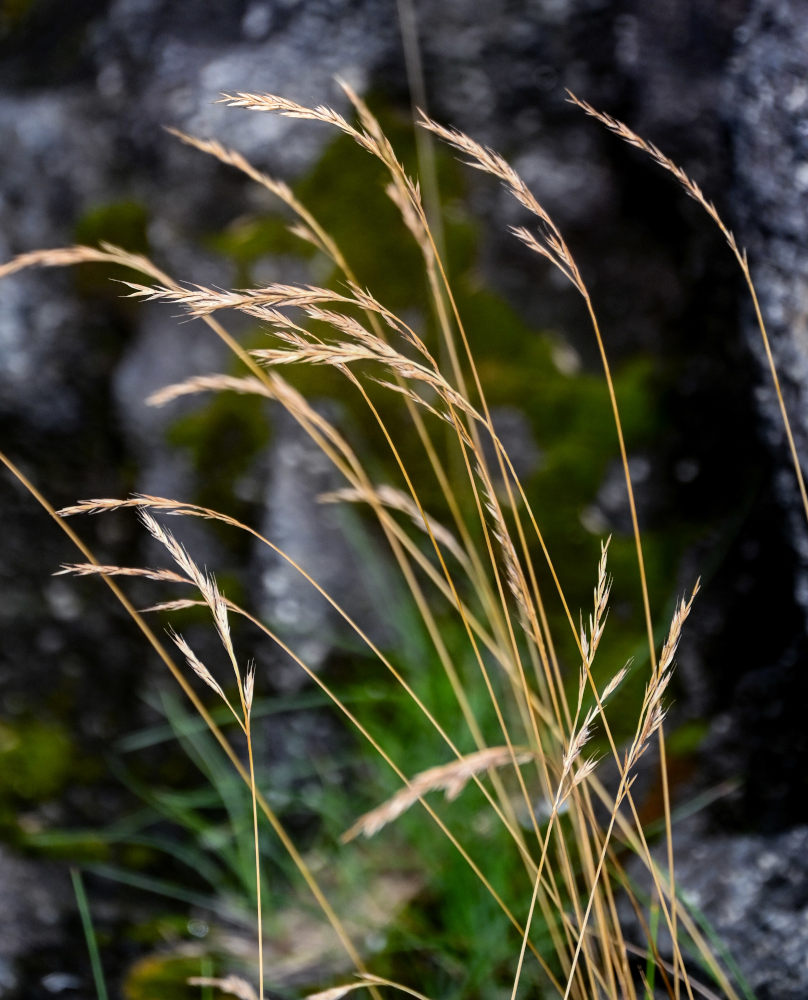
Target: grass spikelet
pixel 654 712
pixel 233 986
pixel 195 663
pixel 181 604
pixel 450 778
pixel 579 775
pixel 201 301
pixel 96 569
pixel 249 685
pixel 675 631
pixel 180 556
pixel 549 243
pixel 395 499
pixel 244 385
pixel 232 158
pixel 291 109
pixel 106 253
pixel 622 130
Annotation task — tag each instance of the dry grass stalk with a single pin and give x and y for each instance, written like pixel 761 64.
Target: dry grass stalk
pixel 308 229
pixel 412 219
pixel 338 355
pixel 370 137
pixel 582 735
pixel 366 982
pixel 628 135
pixel 204 583
pixel 382 148
pixel 181 604
pixel 263 304
pixel 249 685
pixel 355 343
pixel 579 739
pixel 290 109
pixel 514 575
pixel 403 190
pixel 201 301
pixel 651 719
pixel 675 631
pixel 167 506
pixel 138 501
pixel 552 246
pixel 692 188
pixel 589 643
pixel 349 327
pixel 335 992
pixel 105 253
pixel 395 499
pixel 98 569
pixel 247 384
pixel 233 158
pixel 450 778
pixel 447 416
pixel 550 243
pixel 335 355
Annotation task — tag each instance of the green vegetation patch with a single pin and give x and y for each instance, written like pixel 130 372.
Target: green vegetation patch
pixel 36 760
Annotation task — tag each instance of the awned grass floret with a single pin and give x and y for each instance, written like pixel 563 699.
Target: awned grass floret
pixel 520 704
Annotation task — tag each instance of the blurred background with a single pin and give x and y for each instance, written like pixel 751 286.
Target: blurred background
pixel 100 767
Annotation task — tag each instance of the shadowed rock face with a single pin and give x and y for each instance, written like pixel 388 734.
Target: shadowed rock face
pixel 767 111
pixel 753 891
pixel 85 90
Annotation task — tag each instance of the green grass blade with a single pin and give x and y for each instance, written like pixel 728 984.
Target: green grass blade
pixel 89 934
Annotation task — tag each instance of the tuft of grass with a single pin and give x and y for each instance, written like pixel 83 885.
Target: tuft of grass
pixel 477 749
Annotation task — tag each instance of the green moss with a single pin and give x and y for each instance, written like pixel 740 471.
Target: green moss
pixel 165 976
pixel 687 738
pixel 248 239
pixel 124 223
pixel 36 759
pixel 165 927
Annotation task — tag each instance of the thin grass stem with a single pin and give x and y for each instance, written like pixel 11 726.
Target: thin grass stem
pixel 89 934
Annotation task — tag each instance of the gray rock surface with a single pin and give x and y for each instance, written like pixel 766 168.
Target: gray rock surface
pixel 767 109
pixel 85 91
pixel 35 900
pixel 751 890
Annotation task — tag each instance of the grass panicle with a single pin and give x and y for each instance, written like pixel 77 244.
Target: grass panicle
pixel 524 699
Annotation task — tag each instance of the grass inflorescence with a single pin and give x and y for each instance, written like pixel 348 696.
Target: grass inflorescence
pixel 506 699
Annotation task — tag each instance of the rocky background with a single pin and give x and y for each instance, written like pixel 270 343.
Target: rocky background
pixel 85 89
